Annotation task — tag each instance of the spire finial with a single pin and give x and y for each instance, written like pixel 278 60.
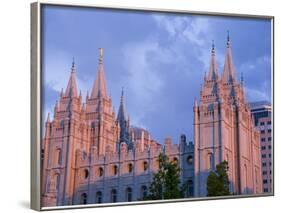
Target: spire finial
pixel 100 55
pixel 228 39
pixel 73 64
pixel 48 117
pixel 213 46
pixel 242 79
pixel 122 94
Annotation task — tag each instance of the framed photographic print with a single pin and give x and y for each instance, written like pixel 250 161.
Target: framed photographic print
pixel 137 105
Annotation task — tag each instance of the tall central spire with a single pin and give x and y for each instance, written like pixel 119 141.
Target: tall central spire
pixel 123 121
pixel 213 71
pixel 71 89
pixel 99 89
pixel 121 117
pixel 229 74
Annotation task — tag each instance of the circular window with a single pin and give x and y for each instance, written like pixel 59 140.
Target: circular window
pixel 189 159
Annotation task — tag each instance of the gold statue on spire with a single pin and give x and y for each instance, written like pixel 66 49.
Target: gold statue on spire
pixel 100 55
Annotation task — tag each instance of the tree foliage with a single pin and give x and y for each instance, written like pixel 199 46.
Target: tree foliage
pixel 218 182
pixel 166 182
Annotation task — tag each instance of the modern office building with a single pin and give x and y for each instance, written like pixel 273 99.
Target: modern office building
pixel 261 112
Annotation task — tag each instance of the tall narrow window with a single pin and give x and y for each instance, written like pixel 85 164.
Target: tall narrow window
pixel 83 199
pixel 245 179
pixel 130 167
pixel 143 192
pixel 113 195
pixel 210 161
pixel 100 171
pixel 145 166
pixel 99 197
pixel 115 170
pixel 57 181
pixel 129 194
pixel 86 173
pixel 59 157
pixel 190 188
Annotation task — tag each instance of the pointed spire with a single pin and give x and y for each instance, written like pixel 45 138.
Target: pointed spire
pixel 99 89
pixel 242 79
pixel 48 118
pixel 121 117
pixel 71 89
pixel 228 39
pixel 56 106
pixel 61 93
pixel 195 102
pixel 73 64
pixel 213 47
pixel 213 70
pixel 229 74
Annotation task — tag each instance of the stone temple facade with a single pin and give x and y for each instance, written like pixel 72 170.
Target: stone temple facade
pixel 91 155
pixel 224 130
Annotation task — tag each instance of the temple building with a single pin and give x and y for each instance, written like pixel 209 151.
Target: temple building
pixel 224 130
pixel 91 155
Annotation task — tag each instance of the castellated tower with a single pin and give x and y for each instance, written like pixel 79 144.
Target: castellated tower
pixel 224 130
pixel 76 128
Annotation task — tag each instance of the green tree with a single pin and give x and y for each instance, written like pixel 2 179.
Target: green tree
pixel 166 182
pixel 218 182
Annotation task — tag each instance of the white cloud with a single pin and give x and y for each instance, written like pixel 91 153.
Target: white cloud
pixel 192 31
pixel 143 76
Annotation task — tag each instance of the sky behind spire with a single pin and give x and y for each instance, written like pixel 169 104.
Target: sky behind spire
pixel 159 59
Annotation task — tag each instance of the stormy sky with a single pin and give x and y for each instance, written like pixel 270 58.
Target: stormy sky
pixel 159 58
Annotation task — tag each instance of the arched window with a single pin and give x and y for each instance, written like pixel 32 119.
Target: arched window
pixel 145 166
pixel 59 156
pixel 83 199
pixel 129 194
pixel 143 192
pixel 190 188
pixel 189 160
pixel 100 171
pixel 130 167
pixel 113 195
pixel 86 173
pixel 115 170
pixel 99 197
